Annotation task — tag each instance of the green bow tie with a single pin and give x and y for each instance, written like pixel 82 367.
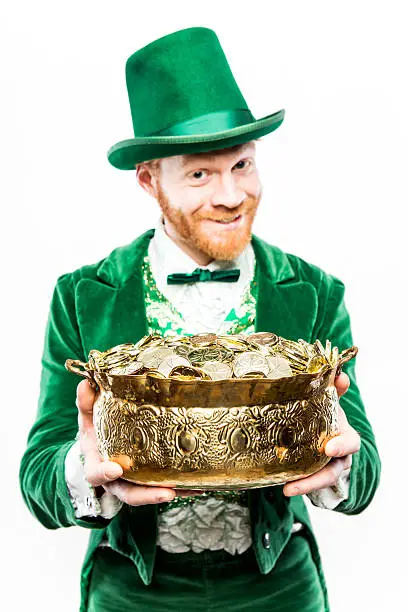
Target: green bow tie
pixel 226 276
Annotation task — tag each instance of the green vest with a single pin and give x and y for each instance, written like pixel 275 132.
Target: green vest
pixel 102 305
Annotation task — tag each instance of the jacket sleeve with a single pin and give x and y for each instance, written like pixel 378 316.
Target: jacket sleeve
pixel 366 466
pixel 42 467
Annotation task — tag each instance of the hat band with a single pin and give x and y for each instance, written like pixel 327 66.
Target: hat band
pixel 207 124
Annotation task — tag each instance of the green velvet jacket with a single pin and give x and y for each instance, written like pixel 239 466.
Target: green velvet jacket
pixel 102 305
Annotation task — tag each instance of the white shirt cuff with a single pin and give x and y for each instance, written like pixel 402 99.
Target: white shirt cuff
pixel 330 497
pixel 82 494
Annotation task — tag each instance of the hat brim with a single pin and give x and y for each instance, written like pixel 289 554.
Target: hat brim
pixel 125 154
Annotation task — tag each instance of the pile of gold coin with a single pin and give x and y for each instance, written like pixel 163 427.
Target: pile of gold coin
pixel 214 357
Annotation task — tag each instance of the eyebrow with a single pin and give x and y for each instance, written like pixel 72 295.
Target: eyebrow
pixel 193 159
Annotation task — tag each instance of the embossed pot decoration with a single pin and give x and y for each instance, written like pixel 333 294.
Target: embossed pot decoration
pixel 230 434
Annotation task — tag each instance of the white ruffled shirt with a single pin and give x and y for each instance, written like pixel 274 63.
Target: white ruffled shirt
pixel 207 523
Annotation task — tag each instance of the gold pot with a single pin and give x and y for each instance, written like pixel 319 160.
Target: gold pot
pixel 215 434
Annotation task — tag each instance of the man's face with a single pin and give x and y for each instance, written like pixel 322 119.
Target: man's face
pixel 209 200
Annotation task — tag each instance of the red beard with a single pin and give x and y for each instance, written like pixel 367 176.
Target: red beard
pixel 224 245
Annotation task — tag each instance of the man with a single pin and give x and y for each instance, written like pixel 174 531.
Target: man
pixel 194 152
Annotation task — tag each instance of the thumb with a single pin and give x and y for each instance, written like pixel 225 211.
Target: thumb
pixel 99 472
pixel 111 470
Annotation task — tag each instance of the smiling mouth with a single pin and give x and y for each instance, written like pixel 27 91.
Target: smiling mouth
pixel 226 221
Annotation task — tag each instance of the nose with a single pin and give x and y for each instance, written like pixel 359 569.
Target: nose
pixel 226 192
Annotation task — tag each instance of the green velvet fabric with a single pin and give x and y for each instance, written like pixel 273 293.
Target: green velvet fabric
pixel 179 76
pixel 208 581
pixel 184 99
pixel 101 305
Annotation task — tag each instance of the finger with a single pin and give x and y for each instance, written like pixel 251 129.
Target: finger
pixel 347 463
pixel 88 444
pixel 138 495
pixel 326 477
pixel 342 383
pixel 346 443
pixel 188 492
pixel 343 422
pixel 99 472
pixel 85 401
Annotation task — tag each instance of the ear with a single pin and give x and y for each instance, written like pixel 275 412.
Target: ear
pixel 147 178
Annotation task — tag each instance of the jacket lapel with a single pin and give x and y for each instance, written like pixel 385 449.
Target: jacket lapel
pixel 111 308
pixel 286 305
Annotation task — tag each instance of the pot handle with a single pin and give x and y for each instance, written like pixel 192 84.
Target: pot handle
pixel 346 356
pixel 71 364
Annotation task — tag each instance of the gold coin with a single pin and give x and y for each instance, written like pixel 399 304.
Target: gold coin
pixel 131 368
pixel 263 338
pixel 119 349
pixel 189 371
pixel 233 344
pixel 316 364
pixel 176 341
pixel 113 361
pixel 133 353
pixel 278 367
pixel 334 357
pixel 155 374
pixel 153 356
pixel 170 362
pixel 307 348
pixel 217 370
pixel 183 350
pixel 141 342
pixel 250 362
pixel 295 354
pixel 294 364
pixel 254 375
pixel 319 348
pixel 209 353
pixel 204 338
pixel 182 377
pixel 149 341
pixel 143 371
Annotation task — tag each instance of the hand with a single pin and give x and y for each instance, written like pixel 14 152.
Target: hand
pixel 99 472
pixel 342 447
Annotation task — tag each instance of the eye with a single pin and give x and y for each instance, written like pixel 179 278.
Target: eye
pixel 242 164
pixel 198 174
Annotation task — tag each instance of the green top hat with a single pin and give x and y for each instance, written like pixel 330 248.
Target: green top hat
pixel 184 99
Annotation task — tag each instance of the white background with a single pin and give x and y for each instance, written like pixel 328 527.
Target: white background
pixel 335 193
